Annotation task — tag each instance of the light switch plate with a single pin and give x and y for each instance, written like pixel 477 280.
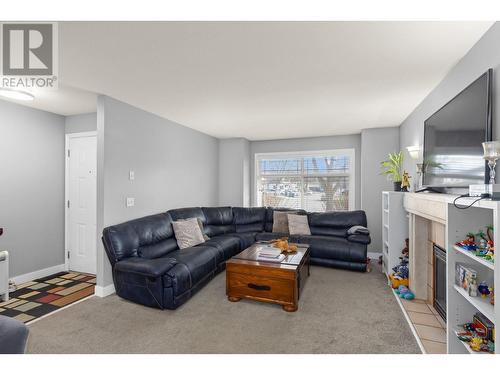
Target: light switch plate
pixel 131 175
pixel 130 202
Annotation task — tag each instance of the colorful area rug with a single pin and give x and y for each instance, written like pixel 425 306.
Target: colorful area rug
pixel 40 297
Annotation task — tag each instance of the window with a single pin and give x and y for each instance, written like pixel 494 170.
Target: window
pixel 313 181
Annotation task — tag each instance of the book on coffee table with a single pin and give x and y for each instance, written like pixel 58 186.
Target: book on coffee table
pixel 270 255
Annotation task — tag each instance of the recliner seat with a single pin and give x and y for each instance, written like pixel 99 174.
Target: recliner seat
pixel 150 269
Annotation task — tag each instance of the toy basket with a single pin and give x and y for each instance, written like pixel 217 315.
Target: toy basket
pixel 396 283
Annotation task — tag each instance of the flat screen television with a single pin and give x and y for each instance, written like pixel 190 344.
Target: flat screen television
pixel 453 136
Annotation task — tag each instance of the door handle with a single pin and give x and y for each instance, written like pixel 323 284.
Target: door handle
pixel 259 287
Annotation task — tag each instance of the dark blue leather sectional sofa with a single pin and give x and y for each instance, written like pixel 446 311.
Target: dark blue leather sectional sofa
pixel 149 268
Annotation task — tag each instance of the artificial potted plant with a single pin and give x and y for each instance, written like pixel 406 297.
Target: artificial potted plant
pixel 393 168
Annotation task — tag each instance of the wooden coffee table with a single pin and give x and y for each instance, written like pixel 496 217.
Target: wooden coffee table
pixel 281 283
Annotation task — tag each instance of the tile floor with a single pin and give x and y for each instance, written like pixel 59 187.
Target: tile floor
pixel 430 327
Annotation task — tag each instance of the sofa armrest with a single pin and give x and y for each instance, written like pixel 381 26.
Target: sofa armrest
pixel 145 267
pixel 360 238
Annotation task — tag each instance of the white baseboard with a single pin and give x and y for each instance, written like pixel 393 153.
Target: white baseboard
pixel 103 291
pixel 373 255
pixel 21 279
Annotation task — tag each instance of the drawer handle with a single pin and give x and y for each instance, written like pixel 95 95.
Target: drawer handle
pixel 259 287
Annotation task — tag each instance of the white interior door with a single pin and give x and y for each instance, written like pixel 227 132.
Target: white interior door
pixel 82 202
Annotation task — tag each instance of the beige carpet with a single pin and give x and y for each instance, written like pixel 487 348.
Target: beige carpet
pixel 339 312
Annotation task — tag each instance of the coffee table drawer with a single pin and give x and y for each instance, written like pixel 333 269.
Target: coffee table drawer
pixel 259 287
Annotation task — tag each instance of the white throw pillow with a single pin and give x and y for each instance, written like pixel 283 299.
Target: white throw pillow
pixel 187 233
pixel 298 224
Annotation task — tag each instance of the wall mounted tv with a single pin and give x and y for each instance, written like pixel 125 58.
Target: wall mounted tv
pixel 453 154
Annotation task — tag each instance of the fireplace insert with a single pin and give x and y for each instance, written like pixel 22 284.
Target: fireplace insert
pixel 439 300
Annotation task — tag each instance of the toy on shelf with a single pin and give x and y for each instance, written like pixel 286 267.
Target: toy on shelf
pixel 479 334
pixel 483 289
pixel 469 243
pixel 405 292
pixel 490 244
pixel 480 244
pixel 466 278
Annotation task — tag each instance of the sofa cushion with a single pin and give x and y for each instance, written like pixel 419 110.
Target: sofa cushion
pixel 194 264
pixel 14 336
pixel 269 217
pixel 280 221
pixel 145 267
pixel 249 219
pixel 158 249
pixel 360 238
pixel 246 239
pixel 187 213
pixel 219 220
pixel 230 246
pixel 335 248
pixel 188 233
pixel 298 225
pixel 337 219
pixel 127 239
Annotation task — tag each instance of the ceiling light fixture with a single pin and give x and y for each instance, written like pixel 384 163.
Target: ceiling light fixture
pixel 15 94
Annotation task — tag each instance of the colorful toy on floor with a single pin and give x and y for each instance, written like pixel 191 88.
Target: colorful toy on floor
pixel 405 292
pixel 396 282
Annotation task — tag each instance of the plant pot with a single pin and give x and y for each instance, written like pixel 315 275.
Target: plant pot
pixel 397 186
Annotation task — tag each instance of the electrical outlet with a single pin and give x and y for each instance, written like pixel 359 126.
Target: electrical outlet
pixel 130 202
pixel 131 175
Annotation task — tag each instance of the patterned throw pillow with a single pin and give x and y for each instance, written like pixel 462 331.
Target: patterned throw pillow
pixel 187 233
pixel 280 221
pixel 298 224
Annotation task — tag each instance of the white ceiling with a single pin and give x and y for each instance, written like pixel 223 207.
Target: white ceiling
pixel 63 101
pixel 263 80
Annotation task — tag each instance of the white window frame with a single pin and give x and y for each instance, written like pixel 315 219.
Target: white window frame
pixel 350 152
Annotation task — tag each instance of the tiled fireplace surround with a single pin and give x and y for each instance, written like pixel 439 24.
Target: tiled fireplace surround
pixel 427 226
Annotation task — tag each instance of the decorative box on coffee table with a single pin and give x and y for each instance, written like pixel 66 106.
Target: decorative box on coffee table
pixel 266 281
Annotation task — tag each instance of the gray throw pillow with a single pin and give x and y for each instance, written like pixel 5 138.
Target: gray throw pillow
pixel 280 221
pixel 187 233
pixel 298 225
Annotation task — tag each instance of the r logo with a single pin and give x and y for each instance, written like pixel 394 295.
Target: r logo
pixel 27 49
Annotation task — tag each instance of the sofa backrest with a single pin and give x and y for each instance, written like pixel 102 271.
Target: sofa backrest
pixel 218 220
pixel 148 237
pixel 335 223
pixel 269 219
pixel 249 219
pixel 187 213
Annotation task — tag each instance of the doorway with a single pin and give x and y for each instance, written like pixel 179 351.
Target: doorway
pixel 81 202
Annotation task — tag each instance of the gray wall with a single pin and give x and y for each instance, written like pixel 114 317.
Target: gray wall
pixel 81 123
pixel 375 145
pixel 483 55
pixel 174 167
pixel 234 172
pixel 31 187
pixel 308 144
